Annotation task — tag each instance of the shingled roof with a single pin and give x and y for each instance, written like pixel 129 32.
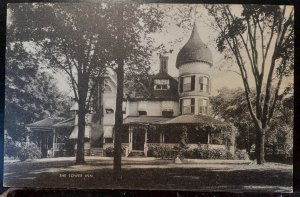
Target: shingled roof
pixel 194 51
pixel 194 119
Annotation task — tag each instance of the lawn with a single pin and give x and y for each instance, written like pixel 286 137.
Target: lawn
pixel 150 175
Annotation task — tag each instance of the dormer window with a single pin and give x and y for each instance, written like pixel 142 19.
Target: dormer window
pixel 161 84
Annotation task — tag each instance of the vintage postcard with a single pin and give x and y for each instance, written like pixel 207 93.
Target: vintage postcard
pixel 149 96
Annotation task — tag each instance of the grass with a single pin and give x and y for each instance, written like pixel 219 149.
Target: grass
pixel 150 175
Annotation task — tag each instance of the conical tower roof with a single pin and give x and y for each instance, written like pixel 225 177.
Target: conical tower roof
pixel 194 50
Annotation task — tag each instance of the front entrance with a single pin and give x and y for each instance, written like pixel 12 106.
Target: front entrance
pixel 138 139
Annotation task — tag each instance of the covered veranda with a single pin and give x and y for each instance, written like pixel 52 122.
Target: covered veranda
pixel 50 134
pixel 141 133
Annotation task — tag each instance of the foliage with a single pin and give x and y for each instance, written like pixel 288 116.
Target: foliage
pixel 260 40
pixel 21 150
pixel 163 152
pixel 30 93
pixel 109 151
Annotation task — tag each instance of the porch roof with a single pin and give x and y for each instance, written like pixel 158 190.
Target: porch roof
pixel 44 124
pixel 145 120
pixel 65 124
pixel 194 119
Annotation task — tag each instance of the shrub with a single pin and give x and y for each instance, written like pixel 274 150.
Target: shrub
pixel 204 152
pixel 109 151
pixel 22 150
pixel 163 152
pixel 29 151
pixel 242 155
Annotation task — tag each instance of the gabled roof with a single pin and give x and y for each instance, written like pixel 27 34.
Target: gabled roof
pixel 194 50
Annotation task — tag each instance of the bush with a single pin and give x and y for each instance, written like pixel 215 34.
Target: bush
pixel 242 155
pixel 29 151
pixel 109 151
pixel 207 153
pixel 22 150
pixel 163 152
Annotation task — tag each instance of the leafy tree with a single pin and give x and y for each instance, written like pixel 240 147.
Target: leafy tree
pixel 73 38
pixel 30 93
pixel 260 40
pixel 231 105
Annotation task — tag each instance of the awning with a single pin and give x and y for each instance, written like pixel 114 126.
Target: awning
pixel 144 120
pixel 87 134
pixel 108 131
pixel 194 119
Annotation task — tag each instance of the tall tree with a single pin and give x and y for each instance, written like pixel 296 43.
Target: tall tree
pixel 260 39
pixel 132 49
pixel 73 38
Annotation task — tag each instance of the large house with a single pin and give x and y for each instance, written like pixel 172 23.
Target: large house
pixel 157 119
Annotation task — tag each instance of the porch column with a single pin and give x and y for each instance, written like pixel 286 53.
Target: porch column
pixel 145 144
pixel 160 138
pixel 54 140
pixel 208 138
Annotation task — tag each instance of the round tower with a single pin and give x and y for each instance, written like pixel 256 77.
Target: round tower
pixel 194 61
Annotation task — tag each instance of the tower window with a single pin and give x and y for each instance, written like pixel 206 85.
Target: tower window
pixel 187 84
pixel 188 106
pixel 204 84
pixel 203 106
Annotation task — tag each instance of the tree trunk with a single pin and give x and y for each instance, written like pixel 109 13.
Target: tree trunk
pixel 81 131
pixel 260 146
pixel 118 122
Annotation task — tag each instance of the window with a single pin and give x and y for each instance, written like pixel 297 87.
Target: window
pixel 142 113
pixel 161 84
pixel 188 106
pixel 203 106
pixel 166 113
pixel 187 84
pixel 109 111
pixel 204 84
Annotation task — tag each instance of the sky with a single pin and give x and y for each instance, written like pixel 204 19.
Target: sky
pixel 219 77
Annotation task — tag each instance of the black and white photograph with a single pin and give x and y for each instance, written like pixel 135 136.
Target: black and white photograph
pixel 136 96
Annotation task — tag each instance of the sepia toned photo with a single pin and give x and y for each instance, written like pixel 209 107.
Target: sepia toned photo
pixel 193 97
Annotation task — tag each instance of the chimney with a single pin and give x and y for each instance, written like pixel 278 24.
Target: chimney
pixel 163 63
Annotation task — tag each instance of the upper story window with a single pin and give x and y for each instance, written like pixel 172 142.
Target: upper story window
pixel 109 111
pixel 142 113
pixel 161 84
pixel 203 106
pixel 187 84
pixel 187 106
pixel 204 84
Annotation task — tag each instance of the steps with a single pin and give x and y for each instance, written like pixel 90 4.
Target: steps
pixel 136 153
